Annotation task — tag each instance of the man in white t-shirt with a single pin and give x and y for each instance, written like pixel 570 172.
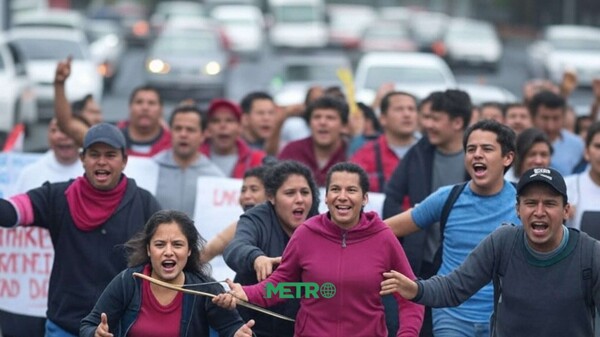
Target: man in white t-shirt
pixel 584 188
pixel 60 163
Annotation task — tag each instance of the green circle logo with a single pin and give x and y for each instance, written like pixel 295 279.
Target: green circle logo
pixel 327 290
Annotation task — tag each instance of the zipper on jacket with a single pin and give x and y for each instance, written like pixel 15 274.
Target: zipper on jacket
pixel 344 239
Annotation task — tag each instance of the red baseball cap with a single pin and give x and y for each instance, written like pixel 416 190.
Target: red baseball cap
pixel 218 103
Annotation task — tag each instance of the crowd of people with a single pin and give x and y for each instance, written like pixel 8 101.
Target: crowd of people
pixel 489 225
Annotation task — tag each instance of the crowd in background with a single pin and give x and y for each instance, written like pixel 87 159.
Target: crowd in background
pixel 410 149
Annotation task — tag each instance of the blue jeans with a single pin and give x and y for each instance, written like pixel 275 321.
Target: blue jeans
pixel 53 330
pixel 445 325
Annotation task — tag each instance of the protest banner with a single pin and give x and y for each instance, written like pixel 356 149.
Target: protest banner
pixel 217 206
pixel 26 254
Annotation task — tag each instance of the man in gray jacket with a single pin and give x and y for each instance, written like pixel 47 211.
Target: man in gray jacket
pixel 546 279
pixel 181 165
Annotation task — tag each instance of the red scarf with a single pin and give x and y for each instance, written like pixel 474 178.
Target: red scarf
pixel 91 207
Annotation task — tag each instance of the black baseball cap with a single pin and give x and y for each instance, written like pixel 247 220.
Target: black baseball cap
pixel 549 176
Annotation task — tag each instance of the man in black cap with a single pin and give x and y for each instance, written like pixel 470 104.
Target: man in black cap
pixel 545 275
pixel 89 219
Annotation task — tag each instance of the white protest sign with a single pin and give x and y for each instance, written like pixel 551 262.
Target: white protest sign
pixel 144 171
pixel 216 208
pixel 26 254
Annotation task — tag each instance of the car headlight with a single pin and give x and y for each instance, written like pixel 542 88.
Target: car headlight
pixel 212 68
pixel 157 66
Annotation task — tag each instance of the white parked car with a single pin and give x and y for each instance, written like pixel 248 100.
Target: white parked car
pixel 416 73
pixel 17 97
pixel 347 24
pixel 427 28
pixel 172 10
pixel 482 93
pixel 55 18
pixel 42 49
pixel 566 47
pixel 298 24
pixel 244 27
pixel 473 43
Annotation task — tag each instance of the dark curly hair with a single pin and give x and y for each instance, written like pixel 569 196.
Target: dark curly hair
pixel 277 174
pixel 137 249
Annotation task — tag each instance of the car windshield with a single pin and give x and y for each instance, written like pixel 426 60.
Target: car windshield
pixel 49 49
pixel 310 73
pixel 480 33
pixel 183 44
pixel 576 44
pixel 296 14
pixel 353 20
pixel 173 11
pixel 386 33
pixel 402 75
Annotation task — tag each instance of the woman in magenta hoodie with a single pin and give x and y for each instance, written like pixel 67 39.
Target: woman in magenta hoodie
pixel 347 248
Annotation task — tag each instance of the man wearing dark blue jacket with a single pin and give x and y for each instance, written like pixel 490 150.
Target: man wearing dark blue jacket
pixel 436 160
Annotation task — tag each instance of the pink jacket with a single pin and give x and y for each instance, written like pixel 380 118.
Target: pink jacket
pixel 353 261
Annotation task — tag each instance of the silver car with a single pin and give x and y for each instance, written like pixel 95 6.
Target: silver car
pixel 566 47
pixel 42 48
pixel 416 73
pixel 482 93
pixel 189 59
pixel 472 43
pixel 17 97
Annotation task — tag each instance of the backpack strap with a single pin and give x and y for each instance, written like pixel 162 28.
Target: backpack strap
pixel 379 163
pixel 502 265
pixel 587 263
pixel 452 197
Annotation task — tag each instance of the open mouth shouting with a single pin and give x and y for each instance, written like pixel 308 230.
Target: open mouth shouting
pixel 168 266
pixel 479 169
pixel 299 214
pixel 322 132
pixel 539 228
pixel 101 176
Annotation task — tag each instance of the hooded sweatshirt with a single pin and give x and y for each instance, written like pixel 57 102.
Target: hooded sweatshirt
pixel 177 186
pixel 353 261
